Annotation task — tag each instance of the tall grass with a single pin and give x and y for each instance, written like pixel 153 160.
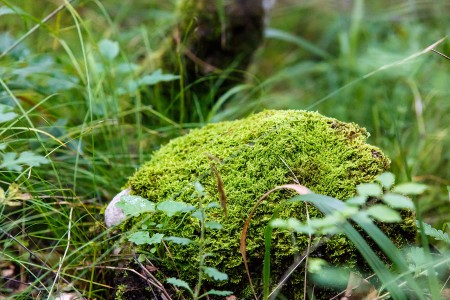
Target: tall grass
pixel 82 109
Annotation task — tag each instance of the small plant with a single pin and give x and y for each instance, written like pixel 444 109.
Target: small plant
pixel 133 206
pixel 386 200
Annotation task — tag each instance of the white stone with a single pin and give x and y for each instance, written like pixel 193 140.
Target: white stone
pixel 113 214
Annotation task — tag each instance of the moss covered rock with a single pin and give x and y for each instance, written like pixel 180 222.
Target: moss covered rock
pixel 252 156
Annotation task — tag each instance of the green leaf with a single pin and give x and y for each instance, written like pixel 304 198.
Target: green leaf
pixel 126 68
pixel 435 233
pixel 198 214
pixel 142 237
pixel 213 205
pixel 6 114
pixel 278 223
pixel 295 225
pixel 218 293
pixel 11 163
pixel 179 283
pixel 417 256
pixel 316 265
pixel 178 240
pixel 303 43
pixel 387 180
pixel 172 208
pixel 135 205
pixel 108 49
pixel 369 189
pixel 157 77
pixel 139 238
pixel 384 213
pixel 398 201
pixel 329 205
pixel 155 239
pixel 410 188
pixel 215 274
pixel 141 258
pixel 199 188
pixel 2 146
pixel 213 225
pixel 330 220
pixel 357 200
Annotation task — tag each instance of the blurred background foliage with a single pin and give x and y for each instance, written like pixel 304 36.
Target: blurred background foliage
pixel 90 79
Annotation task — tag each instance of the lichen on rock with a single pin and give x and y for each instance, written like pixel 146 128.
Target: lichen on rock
pixel 252 156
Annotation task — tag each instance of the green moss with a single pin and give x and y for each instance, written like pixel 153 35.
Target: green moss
pixel 257 154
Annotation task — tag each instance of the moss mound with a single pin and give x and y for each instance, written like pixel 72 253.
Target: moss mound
pixel 254 155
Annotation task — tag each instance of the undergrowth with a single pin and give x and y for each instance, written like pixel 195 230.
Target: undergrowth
pixel 83 104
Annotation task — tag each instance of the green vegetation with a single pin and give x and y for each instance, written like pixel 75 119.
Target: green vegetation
pixel 252 156
pixel 83 104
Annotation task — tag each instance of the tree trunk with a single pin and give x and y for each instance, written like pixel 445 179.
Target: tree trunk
pixel 215 41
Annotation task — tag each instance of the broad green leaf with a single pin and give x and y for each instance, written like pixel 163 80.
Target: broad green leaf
pixel 2 146
pixel 199 188
pixel 330 220
pixel 109 49
pixel 6 114
pixel 5 117
pixel 13 163
pixel 369 189
pixel 179 283
pixel 142 237
pixel 178 240
pixel 218 293
pixel 435 233
pixel 417 256
pixel 198 214
pixel 387 180
pixel 279 223
pixel 213 205
pixel 302 228
pixel 215 274
pixel 155 239
pixel 410 188
pixel 135 205
pixel 384 213
pixel 141 258
pixel 398 201
pixel 31 159
pixel 139 238
pixel 316 265
pixel 157 77
pixel 172 208
pixel 332 277
pixel 357 200
pixel 213 225
pixel 291 224
pixel 125 68
pixel 295 225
